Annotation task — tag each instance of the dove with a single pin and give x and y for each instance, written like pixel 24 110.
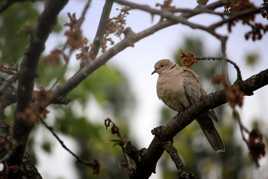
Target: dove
pixel 179 87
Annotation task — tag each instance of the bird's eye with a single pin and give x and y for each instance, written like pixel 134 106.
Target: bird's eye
pixel 161 65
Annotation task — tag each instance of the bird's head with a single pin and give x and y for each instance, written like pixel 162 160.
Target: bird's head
pixel 163 65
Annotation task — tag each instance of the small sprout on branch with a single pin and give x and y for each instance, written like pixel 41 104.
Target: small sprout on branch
pixel 84 55
pixel 254 141
pixel 257 31
pixel 95 165
pixel 55 56
pixel 232 7
pixel 29 116
pixel 264 10
pixel 41 96
pixel 74 34
pixel 234 95
pixel 256 146
pixel 166 6
pixel 37 108
pixel 131 155
pixel 115 26
pixel 188 59
pixel 108 123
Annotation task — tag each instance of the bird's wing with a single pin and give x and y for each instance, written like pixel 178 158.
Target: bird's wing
pixel 194 90
pixel 192 86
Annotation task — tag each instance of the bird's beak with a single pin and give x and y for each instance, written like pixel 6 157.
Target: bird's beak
pixel 153 72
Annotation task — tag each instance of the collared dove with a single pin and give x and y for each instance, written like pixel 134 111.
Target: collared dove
pixel 179 87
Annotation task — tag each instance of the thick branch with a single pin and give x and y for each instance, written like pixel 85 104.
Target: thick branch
pixel 179 122
pixel 28 69
pixel 199 10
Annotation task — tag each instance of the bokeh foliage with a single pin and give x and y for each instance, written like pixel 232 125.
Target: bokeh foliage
pixel 16 23
pixel 108 88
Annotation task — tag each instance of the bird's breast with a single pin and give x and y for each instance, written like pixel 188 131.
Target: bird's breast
pixel 169 89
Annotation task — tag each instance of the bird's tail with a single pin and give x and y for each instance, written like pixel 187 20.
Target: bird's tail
pixel 207 126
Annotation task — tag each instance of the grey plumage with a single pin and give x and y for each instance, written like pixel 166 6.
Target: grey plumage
pixel 179 88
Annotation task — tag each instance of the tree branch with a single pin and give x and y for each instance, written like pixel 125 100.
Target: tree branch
pixel 172 151
pixel 235 16
pixel 101 28
pixel 126 42
pixel 171 16
pixel 80 23
pixel 199 10
pixel 94 164
pixel 84 12
pixel 27 73
pixel 238 72
pixel 176 124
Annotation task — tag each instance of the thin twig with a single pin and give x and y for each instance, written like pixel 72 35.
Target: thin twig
pixel 172 151
pixel 241 126
pixel 235 16
pixel 80 23
pixel 239 75
pixel 98 39
pixel 171 16
pixel 130 152
pixel 83 13
pixel 91 164
pixel 223 42
pixel 65 45
pixel 199 10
